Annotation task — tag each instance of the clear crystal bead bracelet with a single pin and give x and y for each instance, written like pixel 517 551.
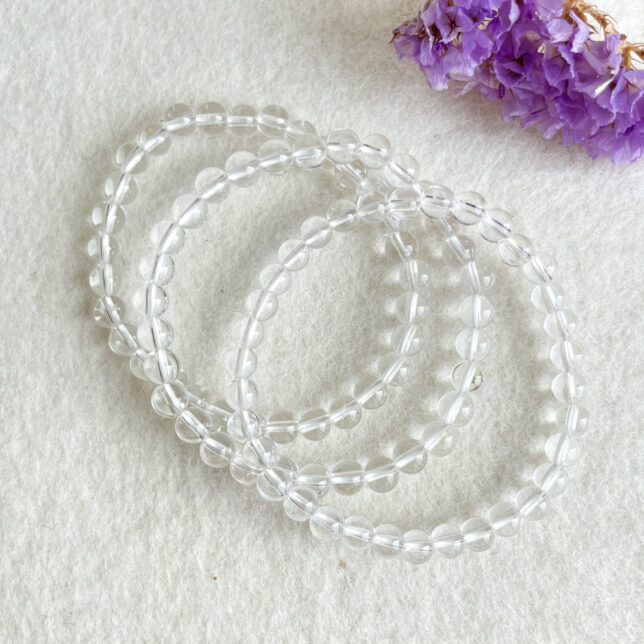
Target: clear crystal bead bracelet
pixel 376 188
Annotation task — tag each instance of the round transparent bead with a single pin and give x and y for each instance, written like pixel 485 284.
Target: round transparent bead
pixel 515 250
pixel 309 152
pixel 212 185
pixel 211 117
pixel 342 216
pixel 107 217
pixel 437 200
pixel 416 275
pixel 294 254
pixel 550 478
pixel 275 157
pixel 347 477
pixel 260 452
pixel 161 367
pixel 477 534
pixel 375 151
pixel 476 311
pixel 410 307
pixel 540 269
pixel 275 279
pixel 316 232
pixel 121 189
pixel 283 427
pixel 351 176
pixel 300 503
pixel 573 419
pixel 568 387
pixel 447 540
pixel 156 268
pixel 216 450
pixel 108 310
pixel 169 400
pixel 251 330
pixel 189 211
pixel 273 483
pixel 567 355
pixel 322 425
pixel 193 424
pixel 131 158
pixel 532 503
pixel 400 245
pixel 316 477
pixel 468 207
pixel 241 120
pixel 466 376
pixel 417 546
pixel 455 408
pixel 380 474
pixel 272 121
pixel 357 533
pixel 402 169
pixel 326 524
pixel 406 340
pixel 180 120
pixel 458 251
pixel 410 457
pixel 242 471
pixel 136 367
pixel 297 128
pixel 242 168
pixel 372 207
pixel 152 300
pixel 404 203
pixel 168 237
pixel 562 449
pixel 155 334
pixel 387 540
pixel 262 305
pixel 242 362
pixel 351 412
pixel 473 282
pixel 242 394
pixel 394 369
pixel 560 325
pixel 155 140
pixel 493 226
pixel 505 519
pixel 121 340
pixel 342 146
pixel 370 393
pixel 547 299
pixel 438 438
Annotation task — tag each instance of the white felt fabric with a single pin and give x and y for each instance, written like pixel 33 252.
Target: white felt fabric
pixel 114 531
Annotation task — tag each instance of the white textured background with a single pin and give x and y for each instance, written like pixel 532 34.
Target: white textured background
pixel 113 531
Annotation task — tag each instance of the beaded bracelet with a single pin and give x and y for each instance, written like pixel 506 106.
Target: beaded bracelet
pixel 258 459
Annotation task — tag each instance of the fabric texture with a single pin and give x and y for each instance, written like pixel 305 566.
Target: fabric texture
pixel 112 530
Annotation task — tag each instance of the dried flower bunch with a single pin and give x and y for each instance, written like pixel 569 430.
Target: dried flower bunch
pixel 560 65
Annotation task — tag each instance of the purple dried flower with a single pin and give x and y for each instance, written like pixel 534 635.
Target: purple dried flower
pixel 559 65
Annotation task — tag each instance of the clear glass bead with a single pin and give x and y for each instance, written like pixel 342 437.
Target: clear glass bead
pixel 193 424
pixel 515 250
pixel 370 393
pixel 327 523
pixel 468 207
pixel 560 325
pixel 404 203
pixel 161 367
pixel 320 429
pixel 473 282
pixel 342 146
pixel 275 157
pixel 351 412
pixel 216 450
pixel 298 128
pixel 458 251
pixel 394 369
pixel 242 362
pixel 573 419
pixel 375 151
pixel 212 185
pixel 156 268
pixel 416 275
pixel 351 176
pixel 342 216
pixel 155 334
pixel 136 367
pixel 309 152
pixel 567 355
pixel 275 279
pixel 242 394
pixel 447 540
pixel 273 483
pixel 155 140
pixel 242 121
pixel 121 340
pixel 189 211
pixel 300 503
pixel 169 400
pixel 562 449
pixel 241 471
pixel 262 305
pixel 272 121
pixel 540 269
pixel 347 477
pixel 472 344
pixel 242 168
pixel 406 340
pixel 532 503
pixel 467 376
pixel 282 427
pixel 294 254
pixel 316 232
pixel 120 188
pixel 211 117
pixel 400 245
pixel 380 474
pixel 547 299
pixel 410 457
pixel 260 451
pixel 103 247
pixel 372 207
pixel 357 533
pixel 477 534
pixel 568 387
pixel 437 200
pixel 180 120
pixel 550 478
pixel 417 546
pixel 455 408
pixel 410 307
pixel 402 169
pixel 387 540
pixel 131 158
pixel 476 311
pixel 316 477
pixel 107 217
pixel 438 438
pixel 167 237
pixel 505 519
pixel 108 310
pixel 152 300
pixel 493 226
